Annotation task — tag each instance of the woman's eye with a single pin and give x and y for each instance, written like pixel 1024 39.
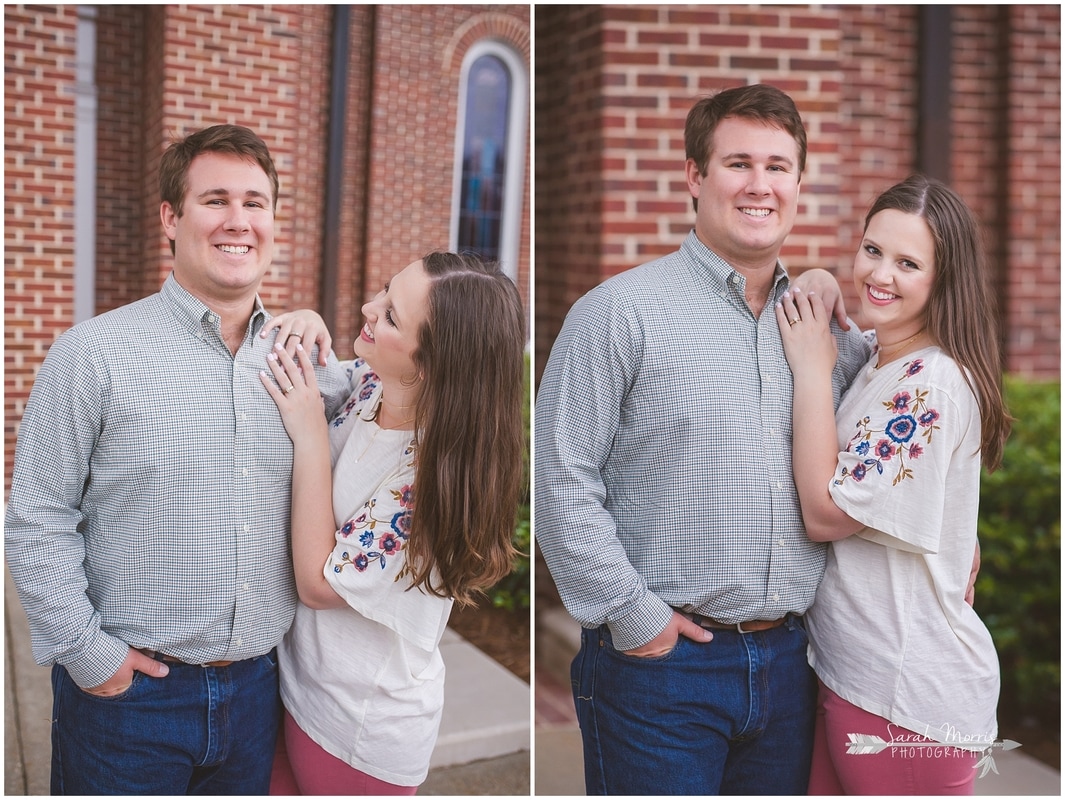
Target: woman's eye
pixel 388 317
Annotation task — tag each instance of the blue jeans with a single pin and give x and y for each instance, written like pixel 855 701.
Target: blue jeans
pixel 199 730
pixel 732 716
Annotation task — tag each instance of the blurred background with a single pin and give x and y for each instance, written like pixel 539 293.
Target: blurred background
pixel 969 94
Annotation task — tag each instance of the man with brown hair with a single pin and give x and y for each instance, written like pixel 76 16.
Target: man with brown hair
pixel 147 526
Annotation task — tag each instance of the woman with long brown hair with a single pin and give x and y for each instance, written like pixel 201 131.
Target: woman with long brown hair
pixel 402 504
pixel 908 675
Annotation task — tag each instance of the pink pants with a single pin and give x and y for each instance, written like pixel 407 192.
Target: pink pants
pixel 899 769
pixel 301 767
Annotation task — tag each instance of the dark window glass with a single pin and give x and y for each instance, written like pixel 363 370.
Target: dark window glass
pixel 484 156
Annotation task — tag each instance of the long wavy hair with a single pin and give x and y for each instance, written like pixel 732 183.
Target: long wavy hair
pixel 470 429
pixel 961 315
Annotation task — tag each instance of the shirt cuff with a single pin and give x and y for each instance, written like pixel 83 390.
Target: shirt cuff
pixel 97 661
pixel 648 620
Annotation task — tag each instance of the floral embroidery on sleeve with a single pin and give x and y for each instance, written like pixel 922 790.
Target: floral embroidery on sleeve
pixel 910 417
pixel 377 537
pixel 367 383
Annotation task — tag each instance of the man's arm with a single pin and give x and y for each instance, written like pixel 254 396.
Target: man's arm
pixel 44 545
pixel 578 410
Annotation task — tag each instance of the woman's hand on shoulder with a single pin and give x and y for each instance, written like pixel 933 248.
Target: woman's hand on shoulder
pixel 292 385
pixel 804 330
pixel 302 326
pixel 823 283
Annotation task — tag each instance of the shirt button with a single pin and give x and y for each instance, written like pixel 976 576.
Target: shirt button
pixel 244 472
pixel 776 598
pixel 239 642
pixel 780 541
pixel 245 586
pixel 247 527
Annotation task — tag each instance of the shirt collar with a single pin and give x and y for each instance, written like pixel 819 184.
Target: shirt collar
pixel 197 317
pixel 721 275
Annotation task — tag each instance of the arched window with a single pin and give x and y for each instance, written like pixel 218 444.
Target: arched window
pixel 490 154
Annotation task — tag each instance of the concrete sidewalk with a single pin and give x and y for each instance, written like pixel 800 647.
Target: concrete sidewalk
pixel 559 769
pixel 483 748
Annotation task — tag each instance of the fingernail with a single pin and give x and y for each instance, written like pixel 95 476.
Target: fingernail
pixel 271 357
pixel 279 346
pixel 299 345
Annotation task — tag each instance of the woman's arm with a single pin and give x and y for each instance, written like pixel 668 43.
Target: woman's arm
pixel 313 525
pixel 811 352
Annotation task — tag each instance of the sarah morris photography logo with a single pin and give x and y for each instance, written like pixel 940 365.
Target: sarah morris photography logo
pixel 906 744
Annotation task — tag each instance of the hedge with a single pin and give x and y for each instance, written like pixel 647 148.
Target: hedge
pixel 1018 589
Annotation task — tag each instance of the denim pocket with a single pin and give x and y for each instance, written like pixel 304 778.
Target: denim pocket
pixel 656 659
pixel 138 679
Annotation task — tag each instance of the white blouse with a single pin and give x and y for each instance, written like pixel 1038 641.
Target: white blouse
pixel 366 682
pixel 890 630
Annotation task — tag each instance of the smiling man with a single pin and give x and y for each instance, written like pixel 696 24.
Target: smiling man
pixel 665 504
pixel 147 527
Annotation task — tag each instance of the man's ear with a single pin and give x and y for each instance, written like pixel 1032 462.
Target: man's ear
pixel 169 218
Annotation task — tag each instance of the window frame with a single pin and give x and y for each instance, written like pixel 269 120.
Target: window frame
pixel 514 174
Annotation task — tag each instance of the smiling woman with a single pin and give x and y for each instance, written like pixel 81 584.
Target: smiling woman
pixel 402 505
pixel 892 479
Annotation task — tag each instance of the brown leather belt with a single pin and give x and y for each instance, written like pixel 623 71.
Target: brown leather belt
pixel 751 626
pixel 171 660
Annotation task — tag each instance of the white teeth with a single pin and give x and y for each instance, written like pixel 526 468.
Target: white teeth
pixel 877 295
pixel 368 332
pixel 228 248
pixel 756 212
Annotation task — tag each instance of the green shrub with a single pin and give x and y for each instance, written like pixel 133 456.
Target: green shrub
pixel 1019 586
pixel 512 593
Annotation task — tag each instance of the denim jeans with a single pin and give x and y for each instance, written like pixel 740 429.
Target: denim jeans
pixel 199 730
pixel 732 716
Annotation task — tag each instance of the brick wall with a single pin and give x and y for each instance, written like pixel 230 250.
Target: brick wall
pixel 1033 193
pixel 38 194
pixel 569 146
pixel 630 73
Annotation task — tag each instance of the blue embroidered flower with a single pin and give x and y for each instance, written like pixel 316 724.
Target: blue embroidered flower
pixel 401 523
pixel 366 538
pixel 862 448
pixel 901 429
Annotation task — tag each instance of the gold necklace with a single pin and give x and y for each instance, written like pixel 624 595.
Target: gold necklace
pixel 885 355
pixel 369 444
